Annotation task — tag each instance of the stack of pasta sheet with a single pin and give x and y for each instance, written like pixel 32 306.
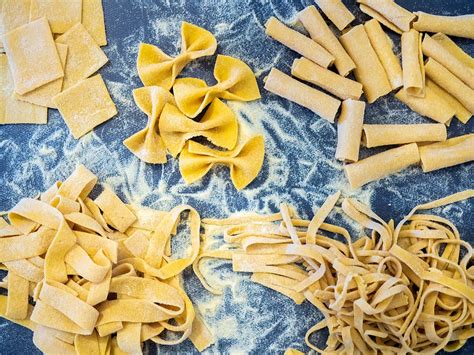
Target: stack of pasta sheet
pixel 440 88
pixel 102 274
pixel 52 49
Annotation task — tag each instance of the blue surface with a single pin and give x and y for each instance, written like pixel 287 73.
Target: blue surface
pixel 299 166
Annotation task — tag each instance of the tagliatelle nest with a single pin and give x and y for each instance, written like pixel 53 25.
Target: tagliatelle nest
pixel 403 289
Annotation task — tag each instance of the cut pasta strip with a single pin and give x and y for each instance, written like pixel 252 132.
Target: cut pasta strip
pixel 304 95
pixel 460 26
pixel 298 42
pixel 337 85
pixel 388 13
pixel 383 46
pixel 156 68
pixel 460 111
pixel 412 62
pixel 349 130
pixel 369 70
pixel 322 34
pixel 452 152
pixel 381 165
pixel 376 135
pixel 115 211
pixel 337 12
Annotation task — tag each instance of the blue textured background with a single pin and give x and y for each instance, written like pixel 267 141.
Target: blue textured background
pixel 299 166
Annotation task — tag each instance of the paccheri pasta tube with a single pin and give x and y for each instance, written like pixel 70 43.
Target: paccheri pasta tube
pixel 459 110
pixel 291 89
pixel 381 165
pixel 337 85
pixel 454 49
pixel 383 46
pixel 369 71
pixel 401 289
pixel 388 13
pixel 412 62
pixel 432 48
pixel 337 12
pixel 432 105
pixel 102 273
pixel 449 82
pixel 322 34
pixel 298 42
pixel 349 130
pixel 460 26
pixel 376 135
pixel 452 152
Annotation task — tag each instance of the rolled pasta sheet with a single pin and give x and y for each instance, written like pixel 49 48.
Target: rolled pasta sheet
pixel 337 12
pixel 322 34
pixel 459 26
pixel 349 130
pixel 412 62
pixel 431 106
pixel 388 13
pixel 432 48
pixel 376 135
pixel 381 165
pixel 454 49
pixel 460 111
pixel 298 42
pixel 291 89
pixel 383 46
pixel 449 82
pixel 452 152
pixel 369 70
pixel 337 85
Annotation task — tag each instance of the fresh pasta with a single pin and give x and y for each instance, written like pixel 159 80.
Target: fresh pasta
pixel 156 68
pixel 235 81
pixel 245 161
pixel 383 46
pixel 460 26
pixel 337 85
pixel 412 63
pixel 147 144
pixel 219 125
pixel 291 89
pixel 376 135
pixel 388 13
pixel 349 130
pixel 108 280
pixel 369 70
pixel 322 34
pixel 452 152
pixel 337 12
pixel 404 288
pixel 381 165
pixel 454 49
pixel 298 42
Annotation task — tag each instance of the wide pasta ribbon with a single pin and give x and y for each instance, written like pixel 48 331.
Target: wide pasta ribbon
pixel 219 125
pixel 235 81
pixel 245 161
pixel 157 68
pixel 147 143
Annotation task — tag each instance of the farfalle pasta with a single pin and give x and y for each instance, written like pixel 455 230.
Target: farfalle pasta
pixel 147 143
pixel 156 68
pixel 219 125
pixel 235 81
pixel 244 161
pixel 102 274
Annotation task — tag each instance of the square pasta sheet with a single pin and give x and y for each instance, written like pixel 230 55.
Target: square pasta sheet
pixel 84 55
pixel 93 20
pixel 85 105
pixel 33 57
pixel 11 110
pixel 13 14
pixel 61 14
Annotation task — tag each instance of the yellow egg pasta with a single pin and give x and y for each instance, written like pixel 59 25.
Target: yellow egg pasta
pixel 389 13
pixel 460 26
pixel 337 12
pixel 156 68
pixel 235 81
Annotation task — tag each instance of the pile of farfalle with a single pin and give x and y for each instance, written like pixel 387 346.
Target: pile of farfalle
pixel 399 289
pixel 172 117
pixel 102 274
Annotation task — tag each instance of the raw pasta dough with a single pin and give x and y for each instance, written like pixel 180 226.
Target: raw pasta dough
pixel 349 130
pixel 388 13
pixel 337 12
pixel 376 135
pixel 412 62
pixel 460 26
pixel 156 68
pixel 93 20
pixel 13 14
pixel 61 14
